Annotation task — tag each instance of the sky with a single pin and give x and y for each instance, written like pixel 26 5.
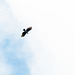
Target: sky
pixel 49 48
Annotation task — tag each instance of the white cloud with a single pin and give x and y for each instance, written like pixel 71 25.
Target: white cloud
pixel 5 68
pixel 8 24
pixel 52 39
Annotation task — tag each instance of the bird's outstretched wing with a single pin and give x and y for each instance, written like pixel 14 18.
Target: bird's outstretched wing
pixel 28 29
pixel 23 34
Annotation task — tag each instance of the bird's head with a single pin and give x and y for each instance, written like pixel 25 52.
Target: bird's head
pixel 23 29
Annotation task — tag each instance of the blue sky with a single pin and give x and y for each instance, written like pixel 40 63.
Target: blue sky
pixel 9 46
pixel 49 49
pixel 10 50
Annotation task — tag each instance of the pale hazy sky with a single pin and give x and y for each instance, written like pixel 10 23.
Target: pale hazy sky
pixel 49 49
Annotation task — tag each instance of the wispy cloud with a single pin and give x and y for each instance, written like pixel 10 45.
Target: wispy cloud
pixel 11 44
pixel 52 41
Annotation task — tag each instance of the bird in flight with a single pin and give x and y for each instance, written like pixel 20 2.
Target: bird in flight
pixel 26 31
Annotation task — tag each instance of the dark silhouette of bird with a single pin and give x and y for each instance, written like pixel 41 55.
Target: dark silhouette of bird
pixel 26 31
